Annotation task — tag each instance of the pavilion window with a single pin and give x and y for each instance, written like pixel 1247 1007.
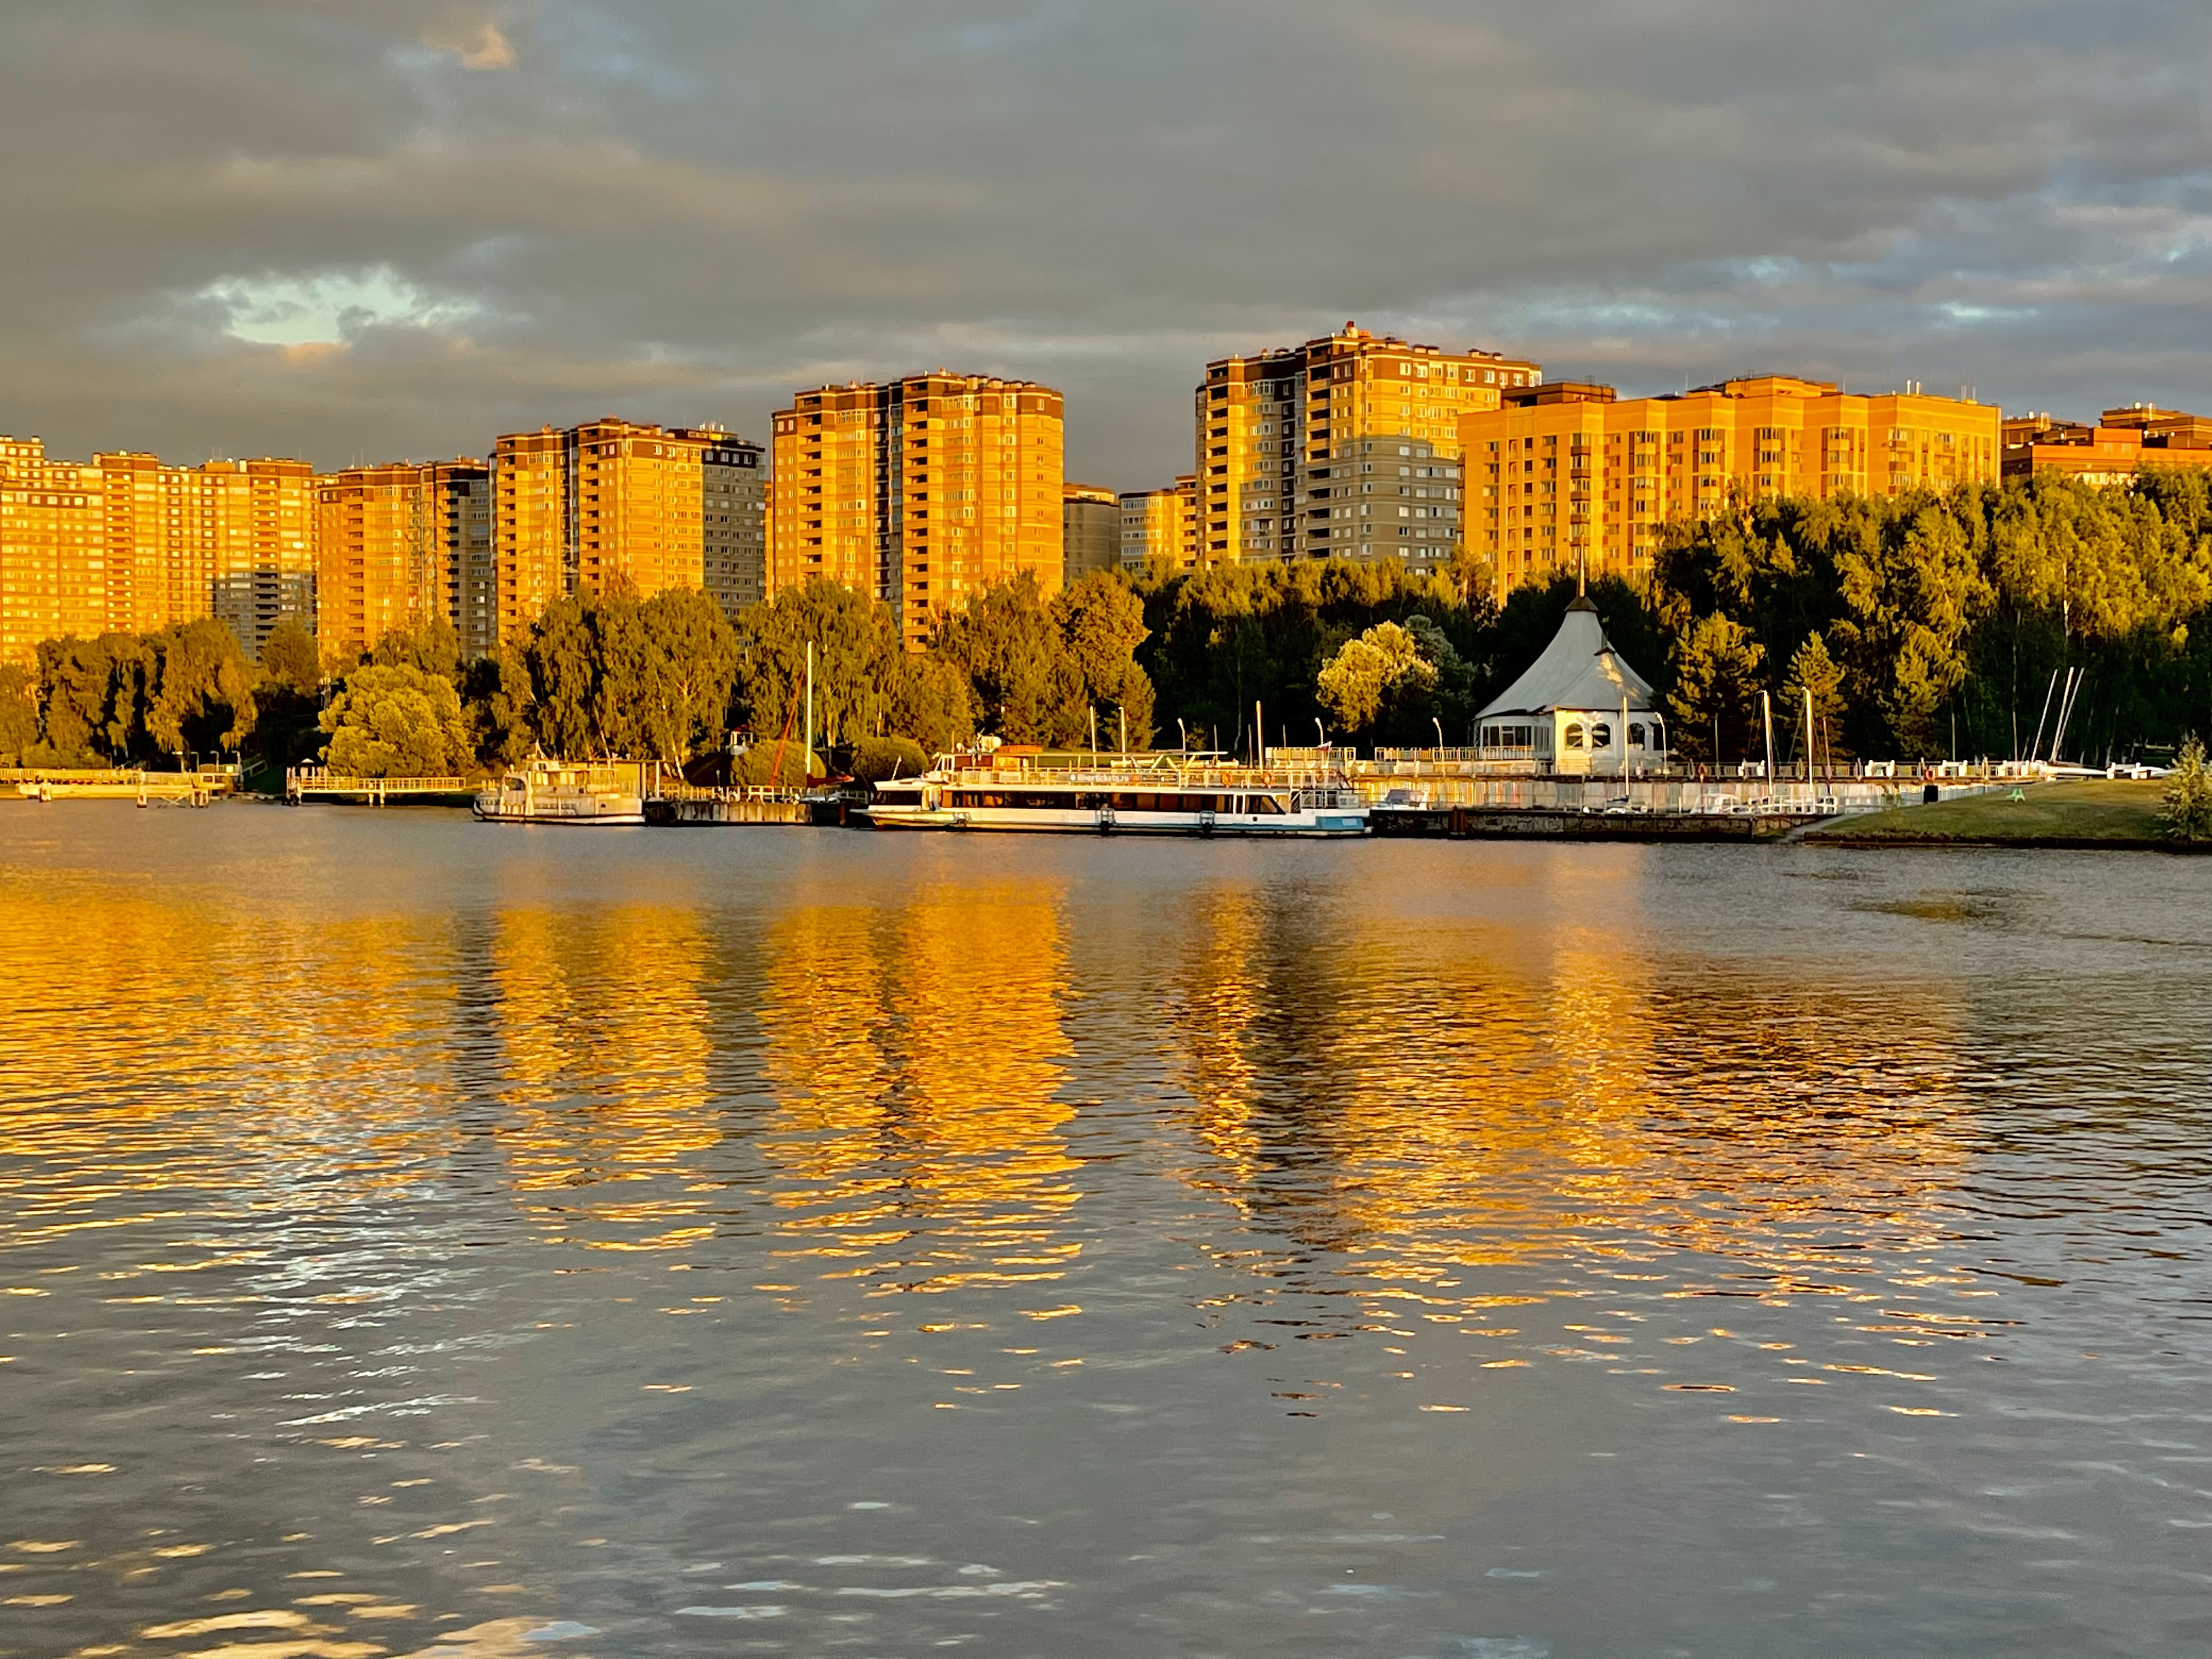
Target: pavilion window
pixel 1575 735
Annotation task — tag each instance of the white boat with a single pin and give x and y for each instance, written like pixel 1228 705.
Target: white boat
pixel 566 792
pixel 1158 794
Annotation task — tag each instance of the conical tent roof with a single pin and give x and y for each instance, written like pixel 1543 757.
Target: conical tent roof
pixel 1579 669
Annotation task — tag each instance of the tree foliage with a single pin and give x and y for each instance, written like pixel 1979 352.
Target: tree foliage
pixel 396 722
pixel 2185 808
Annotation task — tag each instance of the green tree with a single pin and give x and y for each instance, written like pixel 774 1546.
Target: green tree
pixel 1008 645
pixel 286 696
pixel 396 722
pixel 1716 688
pixel 931 701
pixel 1100 622
pixel 200 692
pixel 1371 675
pixel 875 759
pixel 2185 808
pixel 855 646
pixel 96 699
pixel 690 666
pixel 776 764
pixel 1814 674
pixel 19 714
pixel 499 705
pixel 430 644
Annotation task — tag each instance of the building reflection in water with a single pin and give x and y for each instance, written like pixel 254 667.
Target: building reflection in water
pixel 916 1055
pixel 1397 1098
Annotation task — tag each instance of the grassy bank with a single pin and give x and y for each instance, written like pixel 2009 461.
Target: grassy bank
pixel 2091 814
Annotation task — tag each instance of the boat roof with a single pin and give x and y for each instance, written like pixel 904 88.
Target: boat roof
pixel 1579 670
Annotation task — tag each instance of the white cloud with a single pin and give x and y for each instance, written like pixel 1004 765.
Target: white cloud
pixel 329 307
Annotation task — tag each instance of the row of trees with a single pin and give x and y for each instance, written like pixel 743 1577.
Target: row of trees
pixel 1916 626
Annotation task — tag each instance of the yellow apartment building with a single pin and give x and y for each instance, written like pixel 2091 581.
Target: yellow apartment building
pixel 1159 528
pixel 733 517
pixel 919 491
pixel 54 578
pixel 1569 477
pixel 577 509
pixel 1090 530
pixel 1347 446
pixel 231 539
pixel 2125 442
pixel 400 544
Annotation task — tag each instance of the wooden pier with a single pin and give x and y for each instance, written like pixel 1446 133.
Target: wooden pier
pixel 305 783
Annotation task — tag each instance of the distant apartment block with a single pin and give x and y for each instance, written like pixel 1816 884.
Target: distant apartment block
pixel 124 543
pixel 2123 443
pixel 399 545
pixel 733 517
pixel 1090 530
pixel 1347 446
pixel 1159 528
pixel 584 510
pixel 1569 477
pixel 918 491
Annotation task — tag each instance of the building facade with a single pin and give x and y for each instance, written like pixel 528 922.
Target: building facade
pixel 1159 528
pixel 918 491
pixel 583 509
pixel 1090 531
pixel 2123 443
pixel 733 517
pixel 399 545
pixel 1568 477
pixel 1346 446
pixel 124 543
pixel 54 574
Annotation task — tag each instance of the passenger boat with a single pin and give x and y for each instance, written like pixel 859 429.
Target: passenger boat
pixel 1154 794
pixel 566 792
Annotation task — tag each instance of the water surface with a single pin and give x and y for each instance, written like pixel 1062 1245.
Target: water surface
pixel 425 1238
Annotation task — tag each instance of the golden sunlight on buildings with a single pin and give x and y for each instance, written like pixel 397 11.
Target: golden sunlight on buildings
pixel 124 543
pixel 582 510
pixel 918 491
pixel 1347 447
pixel 399 545
pixel 2123 443
pixel 1566 476
pixel 1159 530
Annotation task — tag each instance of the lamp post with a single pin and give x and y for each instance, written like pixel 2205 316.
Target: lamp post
pixel 1183 735
pixel 1320 733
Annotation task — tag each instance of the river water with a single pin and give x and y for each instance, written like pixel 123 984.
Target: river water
pixel 425 1238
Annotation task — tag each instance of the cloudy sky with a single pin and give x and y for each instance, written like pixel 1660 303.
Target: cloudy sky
pixel 364 229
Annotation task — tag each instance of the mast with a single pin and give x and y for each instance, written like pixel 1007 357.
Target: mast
pixel 1766 706
pixel 1808 736
pixel 807 765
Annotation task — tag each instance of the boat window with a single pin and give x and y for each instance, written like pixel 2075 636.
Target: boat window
pixel 1267 806
pixel 1600 736
pixel 1575 735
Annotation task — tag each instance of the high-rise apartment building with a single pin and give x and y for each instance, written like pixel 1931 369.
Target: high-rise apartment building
pixel 734 518
pixel 919 491
pixel 1159 530
pixel 579 509
pixel 231 539
pixel 1346 446
pixel 1090 530
pixel 54 578
pixel 399 545
pixel 1568 477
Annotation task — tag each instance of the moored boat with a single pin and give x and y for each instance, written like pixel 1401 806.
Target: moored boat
pixel 1154 794
pixel 610 792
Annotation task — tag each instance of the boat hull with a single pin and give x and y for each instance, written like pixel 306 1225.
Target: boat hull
pixel 595 812
pixel 1320 825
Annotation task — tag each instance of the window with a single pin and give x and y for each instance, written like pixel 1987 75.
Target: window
pixel 1638 737
pixel 1575 735
pixel 1600 736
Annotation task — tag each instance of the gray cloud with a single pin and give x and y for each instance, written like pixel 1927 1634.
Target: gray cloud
pixel 385 227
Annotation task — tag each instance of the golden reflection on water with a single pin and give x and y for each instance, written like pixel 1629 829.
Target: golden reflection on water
pixel 916 1057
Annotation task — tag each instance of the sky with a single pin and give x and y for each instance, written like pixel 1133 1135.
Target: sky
pixel 361 230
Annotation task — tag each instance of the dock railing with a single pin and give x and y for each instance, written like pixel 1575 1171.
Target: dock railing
pixel 300 781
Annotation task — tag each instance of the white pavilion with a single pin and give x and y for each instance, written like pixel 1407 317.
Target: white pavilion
pixel 1579 708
